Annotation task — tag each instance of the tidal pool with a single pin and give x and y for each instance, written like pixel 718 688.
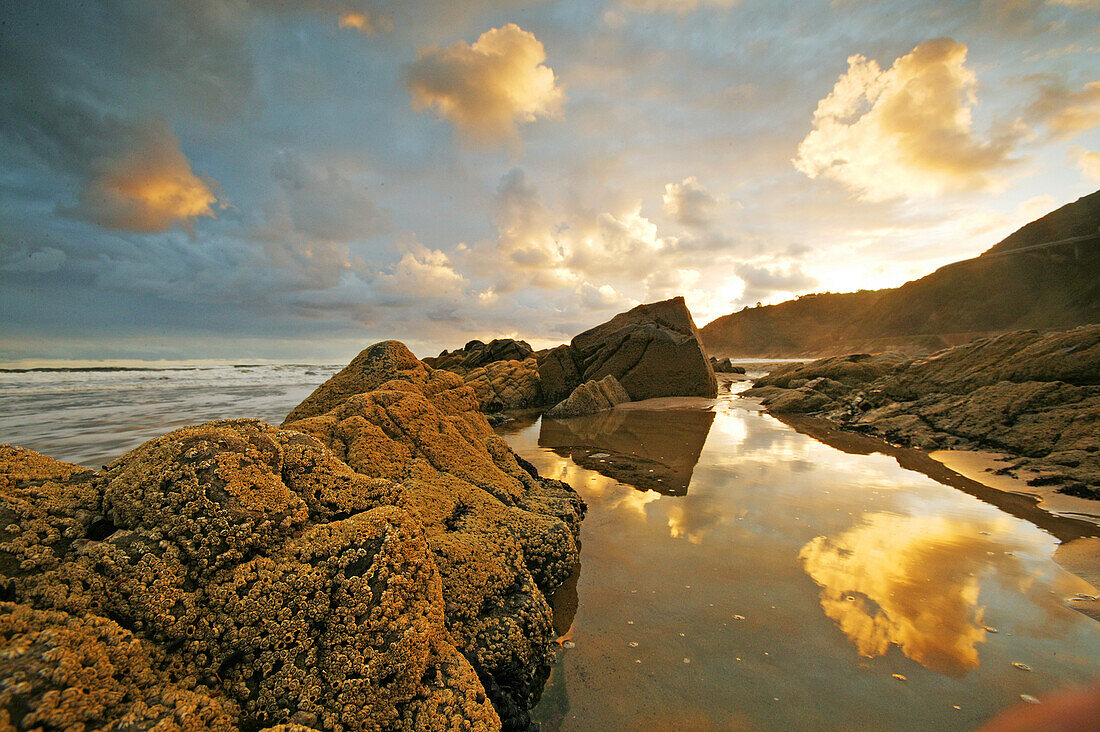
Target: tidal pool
pixel 737 573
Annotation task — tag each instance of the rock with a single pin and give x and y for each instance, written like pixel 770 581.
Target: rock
pixel 558 373
pixel 503 538
pixel 369 370
pixel 50 657
pixel 591 397
pixel 1024 393
pixel 653 350
pixel 252 567
pixel 476 354
pixel 725 366
pixel 381 563
pixel 501 385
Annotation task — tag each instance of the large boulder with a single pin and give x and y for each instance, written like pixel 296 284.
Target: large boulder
pixel 559 373
pixel 591 397
pixel 502 537
pixel 250 578
pixel 653 350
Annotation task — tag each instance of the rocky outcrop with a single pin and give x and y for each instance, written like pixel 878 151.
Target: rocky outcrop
pixel 381 563
pixel 502 538
pixel 476 354
pixel 591 397
pixel 501 385
pixel 653 350
pixel 725 366
pixel 503 373
pixel 1033 395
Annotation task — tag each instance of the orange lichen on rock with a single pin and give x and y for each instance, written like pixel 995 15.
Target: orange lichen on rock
pixel 64 672
pixel 502 537
pixel 250 577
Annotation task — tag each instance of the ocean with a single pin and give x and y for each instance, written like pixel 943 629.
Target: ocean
pixel 92 416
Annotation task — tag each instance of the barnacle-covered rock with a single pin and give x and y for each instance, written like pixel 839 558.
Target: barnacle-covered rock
pixel 64 672
pixel 252 578
pixel 257 566
pixel 502 537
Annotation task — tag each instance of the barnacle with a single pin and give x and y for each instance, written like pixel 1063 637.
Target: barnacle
pixel 340 573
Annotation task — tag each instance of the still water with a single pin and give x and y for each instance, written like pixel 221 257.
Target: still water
pixel 739 574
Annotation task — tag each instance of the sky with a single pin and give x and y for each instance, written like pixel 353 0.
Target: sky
pixel 298 179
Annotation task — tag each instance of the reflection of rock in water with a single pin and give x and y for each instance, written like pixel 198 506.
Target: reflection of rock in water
pixel 648 449
pixel 565 602
pixel 911 582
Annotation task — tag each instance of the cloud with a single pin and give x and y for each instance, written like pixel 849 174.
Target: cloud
pixel 488 88
pixel 366 22
pixel 422 273
pixel 679 7
pixel 906 130
pixel 763 281
pixel 1088 161
pixel 322 201
pixel 689 203
pixel 1064 111
pixel 604 297
pixel 147 186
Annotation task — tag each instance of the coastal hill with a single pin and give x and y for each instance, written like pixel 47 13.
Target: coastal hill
pixel 1045 276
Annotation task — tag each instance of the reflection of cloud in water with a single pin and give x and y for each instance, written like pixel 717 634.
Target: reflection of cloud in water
pixel 911 581
pixel 693 517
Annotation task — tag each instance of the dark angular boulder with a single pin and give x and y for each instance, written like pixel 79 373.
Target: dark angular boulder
pixel 591 397
pixel 653 350
pixel 558 373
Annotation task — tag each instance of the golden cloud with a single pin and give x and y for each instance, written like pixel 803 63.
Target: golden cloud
pixel 487 88
pixel 689 203
pixel 1064 111
pixel 909 581
pixel 147 187
pixel 906 130
pixel 366 22
pixel 1088 161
